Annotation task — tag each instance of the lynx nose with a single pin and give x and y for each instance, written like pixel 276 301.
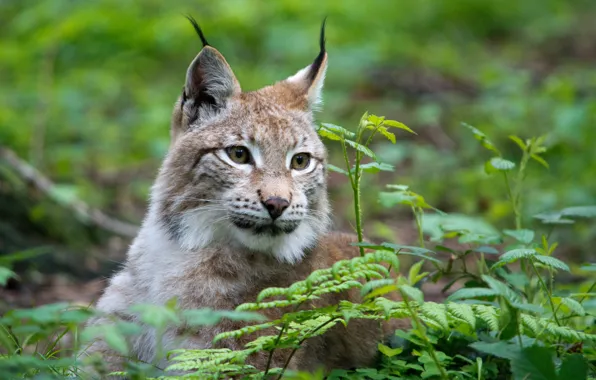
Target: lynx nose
pixel 276 206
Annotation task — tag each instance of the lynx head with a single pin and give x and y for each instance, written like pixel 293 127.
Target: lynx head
pixel 246 169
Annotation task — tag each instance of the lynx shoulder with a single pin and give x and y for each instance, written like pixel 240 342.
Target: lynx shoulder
pixel 240 204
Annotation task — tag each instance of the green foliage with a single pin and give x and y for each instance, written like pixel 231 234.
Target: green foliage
pixel 87 125
pixel 498 323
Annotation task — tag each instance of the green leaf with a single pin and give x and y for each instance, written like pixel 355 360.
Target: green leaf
pixel 499 349
pixel 13 257
pixel 398 187
pixel 486 250
pixel 574 306
pixel 5 275
pixel 397 124
pixel 552 262
pixel 514 255
pixel 155 315
pixel 522 145
pixel 375 167
pixel 523 236
pixel 540 160
pixel 341 131
pixel 580 211
pixel 413 293
pixel 336 169
pixel 588 267
pixel 388 351
pixel 574 367
pixel 363 149
pixel 465 293
pixel 328 134
pixel 501 288
pixel 116 341
pixel 388 135
pixel 534 363
pixel 501 164
pixel 413 274
pixel 207 317
pixel 484 141
pixel 553 218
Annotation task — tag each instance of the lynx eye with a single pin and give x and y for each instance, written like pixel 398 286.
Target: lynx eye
pixel 300 161
pixel 239 154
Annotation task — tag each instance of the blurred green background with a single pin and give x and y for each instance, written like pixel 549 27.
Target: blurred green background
pixel 87 89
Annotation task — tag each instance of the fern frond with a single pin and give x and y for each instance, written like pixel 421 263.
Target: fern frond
pixel 464 312
pixel 488 315
pixel 437 313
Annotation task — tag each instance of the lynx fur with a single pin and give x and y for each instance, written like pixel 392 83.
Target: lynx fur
pixel 219 230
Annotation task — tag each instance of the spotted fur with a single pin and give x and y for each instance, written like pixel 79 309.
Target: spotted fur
pixel 208 238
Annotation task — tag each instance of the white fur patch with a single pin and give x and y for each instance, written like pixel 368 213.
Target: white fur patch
pixel 315 89
pixel 200 227
pixel 286 247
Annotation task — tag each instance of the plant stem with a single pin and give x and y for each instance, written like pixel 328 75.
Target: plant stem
pixel 513 203
pixel 429 346
pixel 588 291
pixel 548 293
pixel 355 183
pixel 418 217
pixel 283 370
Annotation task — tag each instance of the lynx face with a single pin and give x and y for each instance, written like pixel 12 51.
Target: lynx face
pixel 246 169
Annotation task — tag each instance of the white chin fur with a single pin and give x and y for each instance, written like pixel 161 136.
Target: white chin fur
pixel 285 247
pixel 201 228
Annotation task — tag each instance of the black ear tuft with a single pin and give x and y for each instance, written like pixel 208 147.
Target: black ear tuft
pixel 316 65
pixel 199 30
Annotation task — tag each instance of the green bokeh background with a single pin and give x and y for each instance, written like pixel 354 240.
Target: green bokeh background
pixel 87 88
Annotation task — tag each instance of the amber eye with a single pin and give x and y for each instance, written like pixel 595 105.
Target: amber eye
pixel 300 161
pixel 239 154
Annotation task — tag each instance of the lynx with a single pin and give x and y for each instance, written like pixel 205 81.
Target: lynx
pixel 240 204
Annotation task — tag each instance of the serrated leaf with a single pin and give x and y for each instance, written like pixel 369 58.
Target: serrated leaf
pixel 501 164
pixel 523 236
pixel 574 306
pixel 514 255
pixel 501 288
pixel 465 293
pixel 336 169
pixel 551 262
pixel 328 134
pixel 363 149
pixel 397 124
pixel 413 293
pixel 522 145
pixel 341 131
pixel 375 167
pixel 388 135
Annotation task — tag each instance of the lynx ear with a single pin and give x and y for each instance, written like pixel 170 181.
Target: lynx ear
pixel 209 79
pixel 308 82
